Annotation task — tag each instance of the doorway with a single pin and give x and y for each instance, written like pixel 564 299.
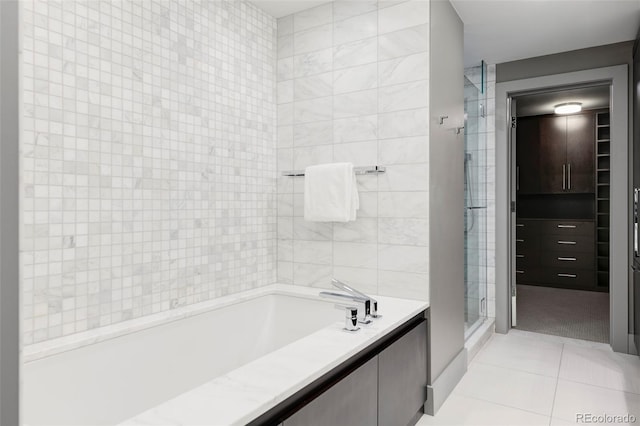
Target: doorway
pixel 506 220
pixel 560 141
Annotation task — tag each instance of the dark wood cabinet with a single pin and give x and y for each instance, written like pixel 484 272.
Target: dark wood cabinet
pixel 552 154
pixel 580 153
pixel 556 253
pixel 527 158
pixel 556 154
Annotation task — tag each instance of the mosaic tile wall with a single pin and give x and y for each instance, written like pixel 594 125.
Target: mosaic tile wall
pixel 148 158
pixel 353 85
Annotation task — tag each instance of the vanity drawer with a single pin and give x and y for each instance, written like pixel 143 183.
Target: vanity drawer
pixel 567 228
pixel 568 243
pixel 565 260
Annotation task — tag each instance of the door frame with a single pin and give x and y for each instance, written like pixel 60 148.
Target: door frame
pixel 10 110
pixel 619 260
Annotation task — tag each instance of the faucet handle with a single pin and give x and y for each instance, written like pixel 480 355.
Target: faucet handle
pixel 374 309
pixel 350 317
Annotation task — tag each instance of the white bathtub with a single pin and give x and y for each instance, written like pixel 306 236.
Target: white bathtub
pixel 223 362
pixel 107 382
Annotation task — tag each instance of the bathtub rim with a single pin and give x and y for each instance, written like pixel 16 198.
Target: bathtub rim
pixel 48 348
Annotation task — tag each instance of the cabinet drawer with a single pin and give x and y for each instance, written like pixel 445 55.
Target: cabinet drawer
pixel 568 277
pixel 527 244
pixel 566 260
pixel 567 228
pixel 527 275
pixel 526 260
pixel 567 243
pixel 527 229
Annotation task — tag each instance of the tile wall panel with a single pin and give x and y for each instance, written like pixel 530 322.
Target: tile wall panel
pixel 149 155
pixel 353 85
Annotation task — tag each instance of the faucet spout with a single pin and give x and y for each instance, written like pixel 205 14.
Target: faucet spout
pixel 351 294
pixel 347 288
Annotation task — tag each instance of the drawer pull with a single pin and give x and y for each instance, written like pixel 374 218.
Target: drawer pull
pixel 570 259
pixel 519 240
pixel 573 243
pixel 567 226
pixel 520 225
pixel 568 275
pixel 520 255
pixel 519 272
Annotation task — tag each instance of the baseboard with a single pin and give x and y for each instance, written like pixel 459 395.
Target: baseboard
pixel 479 338
pixel 440 389
pixel 633 350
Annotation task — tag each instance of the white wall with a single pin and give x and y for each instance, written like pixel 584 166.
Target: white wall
pixel 148 158
pixel 353 81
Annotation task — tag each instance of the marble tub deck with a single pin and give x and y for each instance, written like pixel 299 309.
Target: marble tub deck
pixel 249 391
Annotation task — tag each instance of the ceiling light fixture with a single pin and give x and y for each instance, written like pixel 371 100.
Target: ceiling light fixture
pixel 568 108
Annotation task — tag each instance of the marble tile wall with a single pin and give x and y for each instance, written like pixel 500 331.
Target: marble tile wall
pixel 149 155
pixel 353 85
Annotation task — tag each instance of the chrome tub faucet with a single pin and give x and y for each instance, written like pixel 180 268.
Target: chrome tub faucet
pixel 351 294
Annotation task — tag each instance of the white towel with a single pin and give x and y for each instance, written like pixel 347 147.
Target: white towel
pixel 330 193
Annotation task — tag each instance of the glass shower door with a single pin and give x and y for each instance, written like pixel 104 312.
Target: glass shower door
pixel 475 199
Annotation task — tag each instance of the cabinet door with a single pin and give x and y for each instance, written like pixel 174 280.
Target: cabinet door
pixel 350 402
pixel 553 154
pixel 402 380
pixel 527 158
pixel 580 153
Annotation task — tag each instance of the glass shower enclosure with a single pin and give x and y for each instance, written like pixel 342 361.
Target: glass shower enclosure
pixel 475 197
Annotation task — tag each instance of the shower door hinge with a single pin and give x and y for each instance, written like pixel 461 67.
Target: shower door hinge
pixel 514 122
pixel 513 207
pixel 483 305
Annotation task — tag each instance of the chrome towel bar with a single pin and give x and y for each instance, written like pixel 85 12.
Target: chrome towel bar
pixel 368 170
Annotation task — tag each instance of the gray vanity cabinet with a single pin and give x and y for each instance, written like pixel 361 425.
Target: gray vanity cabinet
pixel 350 402
pixel 402 378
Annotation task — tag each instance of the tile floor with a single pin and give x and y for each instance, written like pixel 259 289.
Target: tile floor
pixel 525 378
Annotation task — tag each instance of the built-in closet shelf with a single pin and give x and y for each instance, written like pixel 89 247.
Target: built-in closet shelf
pixel 603 150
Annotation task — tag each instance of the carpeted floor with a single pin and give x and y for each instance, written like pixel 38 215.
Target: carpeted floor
pixel 569 313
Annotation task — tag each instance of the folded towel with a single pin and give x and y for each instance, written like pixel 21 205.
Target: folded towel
pixel 330 193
